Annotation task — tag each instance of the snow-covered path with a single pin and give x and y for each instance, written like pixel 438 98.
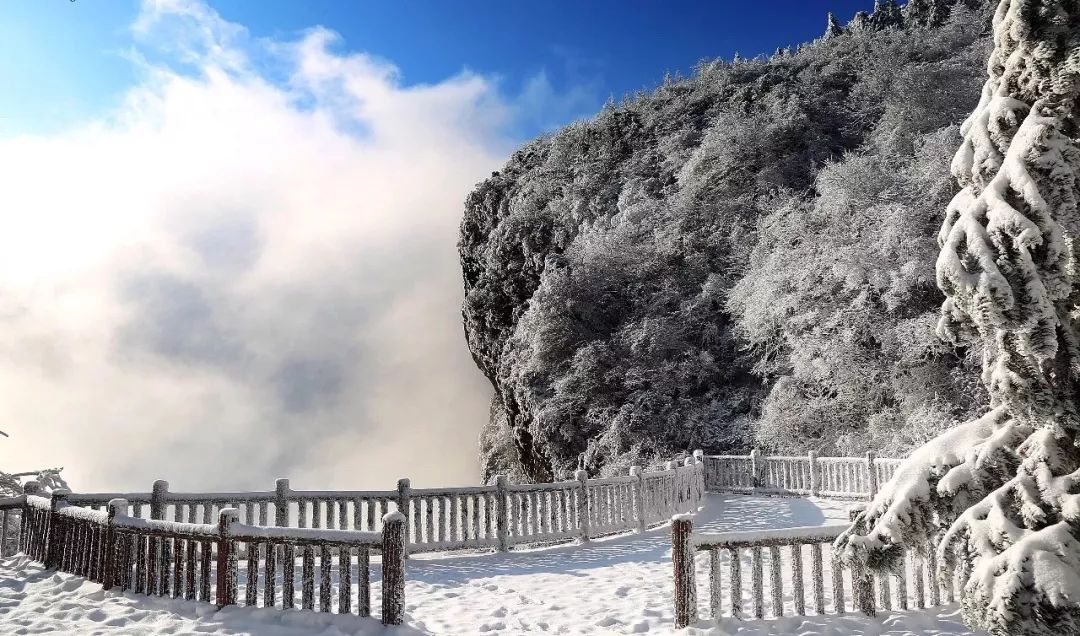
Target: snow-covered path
pixel 612 586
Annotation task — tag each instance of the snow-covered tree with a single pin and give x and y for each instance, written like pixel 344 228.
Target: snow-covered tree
pixel 886 14
pixel 1005 488
pixel 832 27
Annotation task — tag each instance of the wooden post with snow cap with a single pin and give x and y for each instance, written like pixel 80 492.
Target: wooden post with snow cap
pixel 393 564
pixel 31 487
pixel 871 471
pixel 815 476
pixel 54 541
pixel 639 497
pixel 756 467
pixel 699 459
pixel 281 503
pixel 226 557
pixel 157 499
pixel 502 523
pixel 110 578
pixel 159 548
pixel 682 558
pixel 690 487
pixel 404 488
pixel 584 528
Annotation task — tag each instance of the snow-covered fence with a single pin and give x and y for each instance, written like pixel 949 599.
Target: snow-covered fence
pixel 803 577
pixel 834 477
pixel 199 561
pixel 499 516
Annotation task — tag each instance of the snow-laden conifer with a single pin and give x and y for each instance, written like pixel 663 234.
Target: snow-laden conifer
pixel 832 27
pixel 1005 488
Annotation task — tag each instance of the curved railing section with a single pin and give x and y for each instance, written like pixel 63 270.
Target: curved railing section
pixel 799 475
pixel 498 516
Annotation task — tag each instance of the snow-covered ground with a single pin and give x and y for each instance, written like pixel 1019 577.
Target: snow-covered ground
pixel 614 586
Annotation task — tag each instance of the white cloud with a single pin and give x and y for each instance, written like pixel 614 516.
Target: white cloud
pixel 234 279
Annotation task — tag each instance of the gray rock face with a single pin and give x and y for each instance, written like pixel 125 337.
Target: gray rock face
pixel 598 262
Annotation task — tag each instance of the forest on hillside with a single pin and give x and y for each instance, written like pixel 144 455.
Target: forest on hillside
pixel 743 257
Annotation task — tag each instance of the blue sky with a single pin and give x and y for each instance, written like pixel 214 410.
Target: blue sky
pixel 61 61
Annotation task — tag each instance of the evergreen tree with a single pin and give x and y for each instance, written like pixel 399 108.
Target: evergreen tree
pixel 1002 486
pixel 886 14
pixel 832 27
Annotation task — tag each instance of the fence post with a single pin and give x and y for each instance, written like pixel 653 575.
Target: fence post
pixel 756 467
pixel 699 460
pixel 815 476
pixel 157 499
pixel 691 476
pixel 281 503
pixel 583 505
pixel 502 522
pixel 226 557
pixel 31 487
pixel 403 498
pixel 117 507
pixel 682 557
pixel 158 504
pixel 393 564
pixel 54 542
pixel 871 471
pixel 639 496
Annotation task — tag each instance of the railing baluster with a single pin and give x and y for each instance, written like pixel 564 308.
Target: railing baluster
pixel 901 583
pixel 325 565
pixel 735 590
pixel 757 582
pixel 269 575
pixel 363 570
pixel 838 586
pixel 140 565
pixel 189 573
pixel 288 576
pixel 251 590
pixel 818 574
pixel 715 584
pixel 797 579
pixel 206 553
pixel 308 578
pixel 884 591
pixel 344 580
pixel 776 582
pixel 178 568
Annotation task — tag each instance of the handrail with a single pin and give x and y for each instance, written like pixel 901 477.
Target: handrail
pixel 775 536
pixel 200 561
pixel 499 515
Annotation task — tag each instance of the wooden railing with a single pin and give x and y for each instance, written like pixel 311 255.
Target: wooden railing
pixel 831 477
pixel 787 552
pixel 199 562
pixel 498 516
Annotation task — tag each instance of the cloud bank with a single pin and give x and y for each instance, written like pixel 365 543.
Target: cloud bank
pixel 248 271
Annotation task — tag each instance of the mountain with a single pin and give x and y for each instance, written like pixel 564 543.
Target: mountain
pixel 742 257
